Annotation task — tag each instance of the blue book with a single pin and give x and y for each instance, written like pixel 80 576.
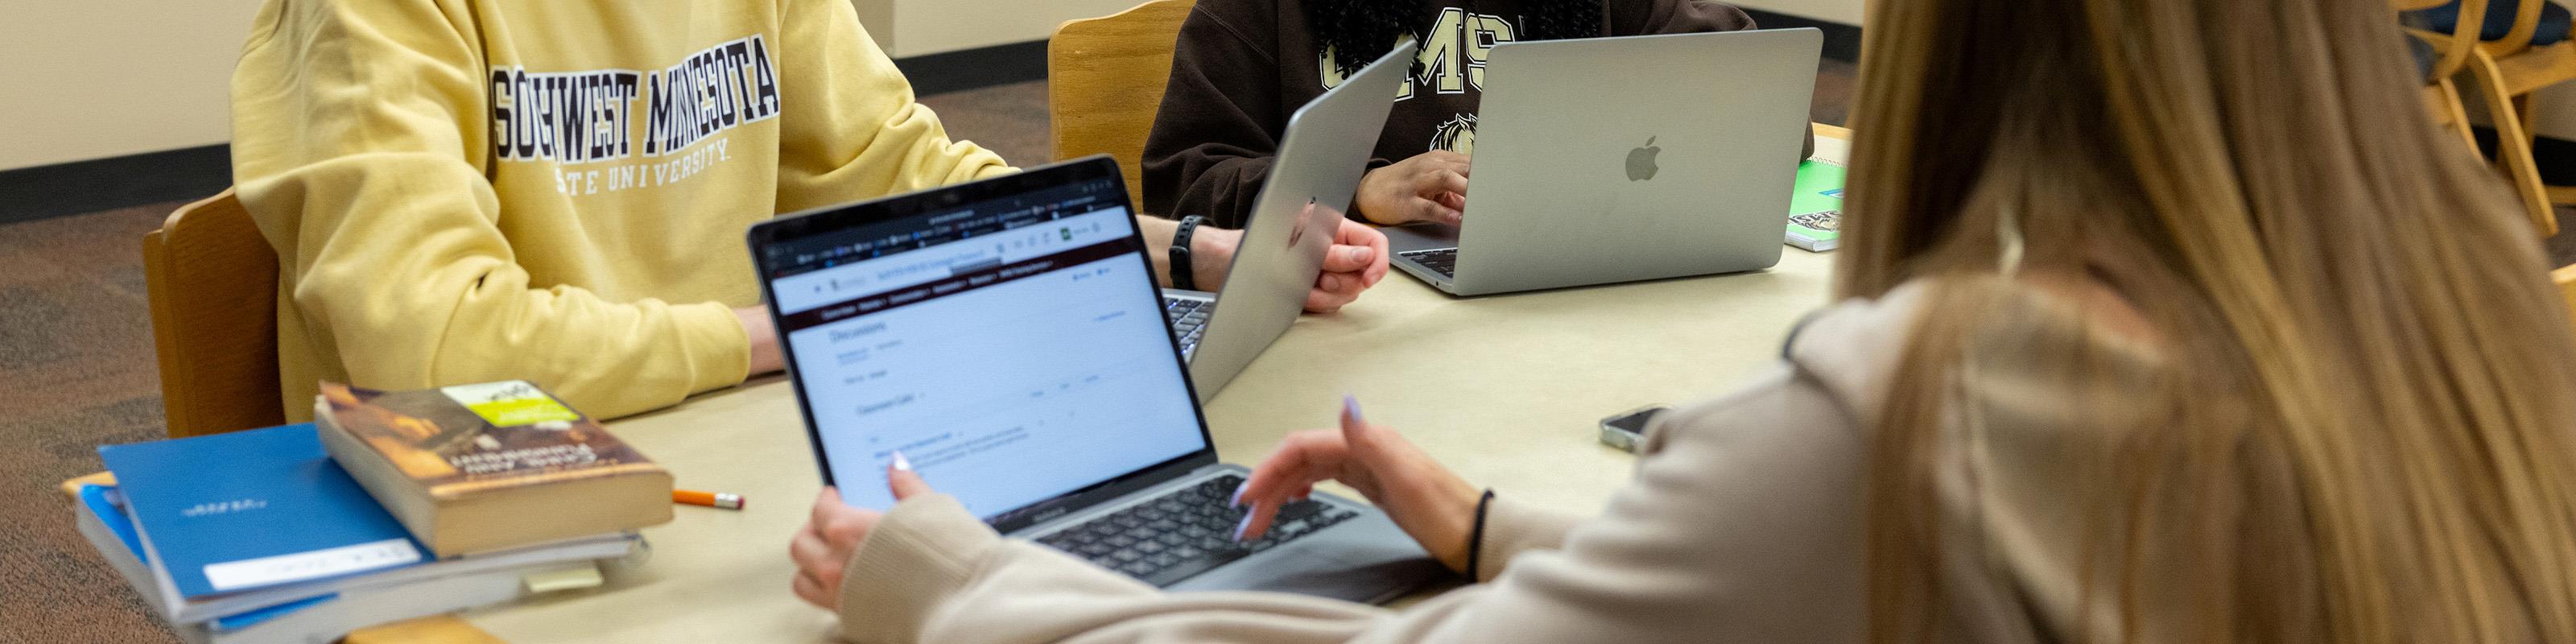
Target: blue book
pixel 107 506
pixel 326 609
pixel 242 511
pixel 104 502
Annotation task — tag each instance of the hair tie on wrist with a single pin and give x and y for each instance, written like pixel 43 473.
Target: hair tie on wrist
pixel 1476 535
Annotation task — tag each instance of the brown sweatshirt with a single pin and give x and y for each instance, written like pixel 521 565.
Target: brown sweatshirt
pixel 1745 522
pixel 1241 67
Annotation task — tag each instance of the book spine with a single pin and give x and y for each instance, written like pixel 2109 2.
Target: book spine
pixel 128 563
pixel 403 498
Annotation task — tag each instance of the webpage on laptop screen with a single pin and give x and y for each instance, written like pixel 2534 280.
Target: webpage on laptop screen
pixel 1012 351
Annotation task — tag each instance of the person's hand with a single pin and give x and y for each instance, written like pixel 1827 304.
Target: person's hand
pixel 765 355
pixel 1356 262
pixel 1431 186
pixel 1212 254
pixel 822 550
pixel 1423 497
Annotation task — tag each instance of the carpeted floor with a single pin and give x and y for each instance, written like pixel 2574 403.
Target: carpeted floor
pixel 76 357
pixel 77 362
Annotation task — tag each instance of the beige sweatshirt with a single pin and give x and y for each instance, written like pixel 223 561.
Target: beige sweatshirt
pixel 1744 523
pixel 475 190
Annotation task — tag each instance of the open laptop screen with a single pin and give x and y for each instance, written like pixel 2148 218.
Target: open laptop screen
pixel 1006 335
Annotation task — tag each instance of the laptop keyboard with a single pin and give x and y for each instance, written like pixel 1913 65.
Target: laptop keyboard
pixel 1187 532
pixel 1189 321
pixel 1440 260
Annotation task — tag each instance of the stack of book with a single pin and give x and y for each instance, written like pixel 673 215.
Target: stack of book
pixel 394 505
pixel 1816 206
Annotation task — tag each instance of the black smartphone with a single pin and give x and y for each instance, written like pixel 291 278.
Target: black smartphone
pixel 1626 429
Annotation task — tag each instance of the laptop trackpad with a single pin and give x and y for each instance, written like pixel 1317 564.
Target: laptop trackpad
pixel 1367 560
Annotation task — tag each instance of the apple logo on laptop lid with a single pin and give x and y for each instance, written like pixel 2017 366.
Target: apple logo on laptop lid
pixel 1641 161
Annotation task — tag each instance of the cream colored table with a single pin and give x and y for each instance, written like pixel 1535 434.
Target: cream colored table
pixel 1507 389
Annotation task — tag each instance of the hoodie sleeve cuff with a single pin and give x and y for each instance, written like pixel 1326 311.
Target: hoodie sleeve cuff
pixel 995 169
pixel 719 351
pixel 1513 527
pixel 921 554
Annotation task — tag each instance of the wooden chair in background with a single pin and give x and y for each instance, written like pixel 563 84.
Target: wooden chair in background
pixel 2565 276
pixel 2438 59
pixel 213 282
pixel 1105 80
pixel 2506 61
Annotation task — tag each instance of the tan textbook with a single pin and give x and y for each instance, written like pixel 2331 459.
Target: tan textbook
pixel 492 466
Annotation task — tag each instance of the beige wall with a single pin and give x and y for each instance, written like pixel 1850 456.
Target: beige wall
pixel 2557 108
pixel 1843 11
pixel 101 78
pixel 916 27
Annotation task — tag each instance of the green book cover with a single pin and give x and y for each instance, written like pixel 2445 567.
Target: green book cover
pixel 1816 206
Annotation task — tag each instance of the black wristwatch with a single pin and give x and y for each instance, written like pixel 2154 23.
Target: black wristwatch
pixel 1182 277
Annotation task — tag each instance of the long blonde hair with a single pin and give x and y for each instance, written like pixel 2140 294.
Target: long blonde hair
pixel 2360 430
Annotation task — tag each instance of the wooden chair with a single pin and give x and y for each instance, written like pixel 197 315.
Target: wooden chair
pixel 213 282
pixel 2439 59
pixel 2565 276
pixel 2505 67
pixel 1105 80
pixel 2520 64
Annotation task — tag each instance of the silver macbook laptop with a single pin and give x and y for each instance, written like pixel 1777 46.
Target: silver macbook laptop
pixel 1320 161
pixel 1587 172
pixel 1005 335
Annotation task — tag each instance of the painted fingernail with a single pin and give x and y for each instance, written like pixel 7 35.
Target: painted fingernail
pixel 1243 527
pixel 1236 501
pixel 901 463
pixel 1351 406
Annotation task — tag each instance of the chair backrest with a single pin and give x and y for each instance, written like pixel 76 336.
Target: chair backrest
pixel 1105 80
pixel 2452 50
pixel 213 282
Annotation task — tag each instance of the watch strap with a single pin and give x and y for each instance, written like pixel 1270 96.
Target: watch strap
pixel 1182 277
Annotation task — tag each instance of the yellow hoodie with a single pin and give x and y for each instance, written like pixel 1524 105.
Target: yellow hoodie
pixel 472 190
